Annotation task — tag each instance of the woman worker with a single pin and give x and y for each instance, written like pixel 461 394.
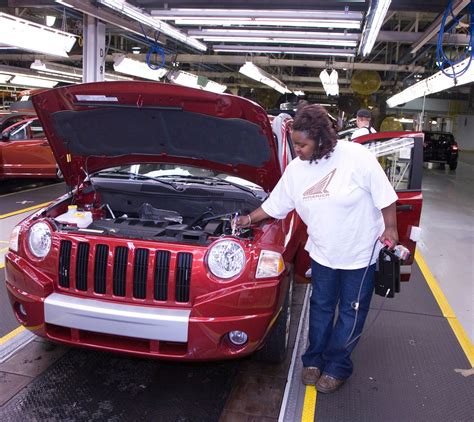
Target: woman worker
pixel 344 197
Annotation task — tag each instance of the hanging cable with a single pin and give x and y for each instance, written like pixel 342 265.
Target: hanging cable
pixel 154 48
pixel 441 57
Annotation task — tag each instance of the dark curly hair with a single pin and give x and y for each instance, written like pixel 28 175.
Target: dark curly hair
pixel 313 120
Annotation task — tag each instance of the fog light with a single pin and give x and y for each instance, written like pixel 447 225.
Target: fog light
pixel 238 337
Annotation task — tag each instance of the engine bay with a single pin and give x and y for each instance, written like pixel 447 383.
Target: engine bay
pixel 144 210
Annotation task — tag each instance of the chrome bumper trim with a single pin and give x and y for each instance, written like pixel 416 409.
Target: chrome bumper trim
pixel 112 318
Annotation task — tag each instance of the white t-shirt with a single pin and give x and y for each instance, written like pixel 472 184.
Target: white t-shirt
pixel 362 131
pixel 339 199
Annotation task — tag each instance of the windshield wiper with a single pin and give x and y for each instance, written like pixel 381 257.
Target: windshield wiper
pixel 139 176
pixel 213 179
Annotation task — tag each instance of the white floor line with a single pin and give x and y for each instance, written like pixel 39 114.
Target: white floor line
pixel 294 357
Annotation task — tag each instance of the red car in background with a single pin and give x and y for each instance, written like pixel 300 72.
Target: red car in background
pixel 25 152
pixel 141 257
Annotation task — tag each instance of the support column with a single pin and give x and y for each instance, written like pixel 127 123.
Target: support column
pixel 93 50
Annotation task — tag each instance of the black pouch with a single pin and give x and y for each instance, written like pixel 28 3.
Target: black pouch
pixel 387 274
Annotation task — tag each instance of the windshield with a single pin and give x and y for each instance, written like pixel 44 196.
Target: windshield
pixel 177 173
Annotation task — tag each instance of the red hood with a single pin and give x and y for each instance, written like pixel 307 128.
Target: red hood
pixel 99 125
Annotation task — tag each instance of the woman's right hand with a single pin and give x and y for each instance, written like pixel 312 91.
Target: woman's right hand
pixel 242 221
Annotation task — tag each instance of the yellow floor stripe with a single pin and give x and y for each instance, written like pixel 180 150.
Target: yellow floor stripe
pixel 34 207
pixel 446 309
pixel 11 334
pixel 2 266
pixel 309 405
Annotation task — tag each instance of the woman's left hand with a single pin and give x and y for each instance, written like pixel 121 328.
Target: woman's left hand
pixel 389 237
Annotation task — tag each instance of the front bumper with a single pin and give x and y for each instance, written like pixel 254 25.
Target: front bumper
pixel 199 332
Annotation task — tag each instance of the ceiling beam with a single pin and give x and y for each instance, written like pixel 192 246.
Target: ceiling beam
pixel 239 60
pixel 433 29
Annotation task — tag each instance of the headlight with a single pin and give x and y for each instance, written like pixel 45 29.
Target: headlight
pixel 226 259
pixel 39 239
pixel 270 264
pixel 14 239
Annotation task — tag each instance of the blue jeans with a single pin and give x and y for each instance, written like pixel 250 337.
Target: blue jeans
pixel 329 346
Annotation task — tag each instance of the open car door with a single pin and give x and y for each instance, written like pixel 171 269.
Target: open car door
pixel 401 156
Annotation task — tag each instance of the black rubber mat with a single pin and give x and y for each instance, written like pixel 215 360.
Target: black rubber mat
pixel 404 368
pixel 29 198
pixel 414 297
pixel 8 321
pixel 94 386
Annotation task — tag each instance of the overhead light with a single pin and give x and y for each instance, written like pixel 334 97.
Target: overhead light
pixel 5 78
pixel 376 16
pixel 299 93
pixel 71 72
pixel 329 81
pixel 284 50
pixel 254 72
pixel 291 37
pixel 236 17
pixel 123 64
pixel 50 20
pixel 336 43
pixel 144 18
pixel 404 120
pixel 191 80
pixel 136 50
pixel 27 35
pixel 435 83
pixel 33 82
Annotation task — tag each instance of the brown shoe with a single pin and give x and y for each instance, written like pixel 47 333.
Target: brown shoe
pixel 311 375
pixel 328 384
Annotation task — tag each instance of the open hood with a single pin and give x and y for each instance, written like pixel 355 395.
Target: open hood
pixel 99 125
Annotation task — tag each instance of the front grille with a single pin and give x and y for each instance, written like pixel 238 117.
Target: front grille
pixel 133 273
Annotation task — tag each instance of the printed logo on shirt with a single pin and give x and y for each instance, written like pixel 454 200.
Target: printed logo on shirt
pixel 320 189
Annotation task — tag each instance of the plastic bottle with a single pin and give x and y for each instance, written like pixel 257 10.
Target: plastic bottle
pixel 81 219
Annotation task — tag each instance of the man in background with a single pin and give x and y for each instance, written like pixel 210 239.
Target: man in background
pixel 363 118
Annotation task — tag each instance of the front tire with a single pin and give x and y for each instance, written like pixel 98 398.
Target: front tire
pixel 276 345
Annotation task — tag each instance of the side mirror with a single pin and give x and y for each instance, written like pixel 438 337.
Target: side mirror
pixel 5 136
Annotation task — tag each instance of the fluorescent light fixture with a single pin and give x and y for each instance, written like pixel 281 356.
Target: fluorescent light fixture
pixel 435 83
pixel 284 50
pixel 191 80
pixel 299 93
pixel 33 82
pixel 336 43
pixel 50 20
pixel 329 81
pixel 137 14
pixel 66 73
pixel 404 120
pixel 27 35
pixel 4 78
pixel 291 37
pixel 123 64
pixel 235 17
pixel 376 16
pixel 254 72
